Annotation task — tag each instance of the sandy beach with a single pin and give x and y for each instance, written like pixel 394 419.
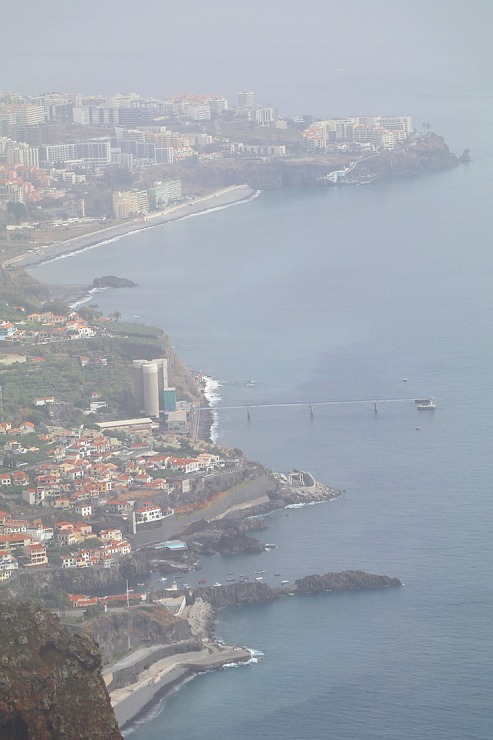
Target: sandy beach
pixel 219 199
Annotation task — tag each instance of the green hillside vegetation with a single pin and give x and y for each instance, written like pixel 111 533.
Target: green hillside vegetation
pixel 56 370
pixel 17 288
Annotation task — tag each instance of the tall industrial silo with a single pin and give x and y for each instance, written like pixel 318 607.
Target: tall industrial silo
pixel 138 379
pixel 162 368
pixel 150 377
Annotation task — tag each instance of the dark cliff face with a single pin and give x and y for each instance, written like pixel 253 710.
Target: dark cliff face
pixel 50 683
pixel 118 632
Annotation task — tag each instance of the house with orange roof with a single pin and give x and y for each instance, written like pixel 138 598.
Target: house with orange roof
pixel 111 535
pixel 44 401
pixel 19 478
pixel 36 555
pixel 114 507
pixel 81 602
pixel 62 502
pixel 148 512
pixel 13 526
pixel 8 564
pixel 27 427
pixel 83 509
pixel 11 541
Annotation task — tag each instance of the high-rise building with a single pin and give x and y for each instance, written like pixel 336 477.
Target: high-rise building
pixel 130 202
pixel 246 99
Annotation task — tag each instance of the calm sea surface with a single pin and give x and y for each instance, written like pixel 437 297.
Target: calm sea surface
pixel 339 294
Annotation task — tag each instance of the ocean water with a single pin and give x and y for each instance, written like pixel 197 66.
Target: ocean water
pixel 324 294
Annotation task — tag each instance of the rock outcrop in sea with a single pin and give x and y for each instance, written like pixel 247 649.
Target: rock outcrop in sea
pixel 238 594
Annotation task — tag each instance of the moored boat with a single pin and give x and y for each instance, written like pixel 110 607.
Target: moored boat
pixel 425 403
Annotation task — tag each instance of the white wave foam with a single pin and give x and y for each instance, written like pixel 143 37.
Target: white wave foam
pixel 145 225
pixel 213 397
pixel 220 208
pixel 256 654
pixel 301 506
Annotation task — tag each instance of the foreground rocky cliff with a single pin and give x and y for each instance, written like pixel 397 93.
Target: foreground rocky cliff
pixel 50 682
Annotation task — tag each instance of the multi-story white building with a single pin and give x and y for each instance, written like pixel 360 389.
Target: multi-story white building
pixel 20 153
pixel 246 99
pixel 93 153
pixel 148 513
pixel 36 555
pixel 130 202
pixel 28 115
pixel 265 115
pixel 199 112
pixel 218 106
pixel 163 192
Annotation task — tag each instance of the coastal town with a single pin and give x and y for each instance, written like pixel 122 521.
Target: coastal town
pixel 108 475
pixel 91 500
pixel 72 165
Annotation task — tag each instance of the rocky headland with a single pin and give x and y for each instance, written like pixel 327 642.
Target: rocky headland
pixel 238 594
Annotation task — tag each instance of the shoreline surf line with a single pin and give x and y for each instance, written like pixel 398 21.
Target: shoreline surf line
pixel 224 198
pixel 131 702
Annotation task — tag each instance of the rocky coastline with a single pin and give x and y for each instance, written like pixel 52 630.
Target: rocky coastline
pixel 158 675
pixel 178 652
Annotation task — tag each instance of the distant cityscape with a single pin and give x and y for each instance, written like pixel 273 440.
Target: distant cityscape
pixel 55 145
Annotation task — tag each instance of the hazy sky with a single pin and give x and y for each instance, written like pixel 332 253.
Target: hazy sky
pixel 295 54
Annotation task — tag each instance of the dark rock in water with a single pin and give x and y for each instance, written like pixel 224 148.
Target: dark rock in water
pixel 111 281
pixel 465 156
pixel 251 592
pixel 348 580
pixel 50 682
pixel 225 536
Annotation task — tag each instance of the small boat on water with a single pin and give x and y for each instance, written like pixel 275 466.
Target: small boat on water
pixel 425 403
pixel 259 578
pixel 277 575
pixel 186 585
pixel 258 572
pixel 141 584
pixel 283 583
pixel 230 579
pixel 230 574
pixel 217 584
pixel 163 578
